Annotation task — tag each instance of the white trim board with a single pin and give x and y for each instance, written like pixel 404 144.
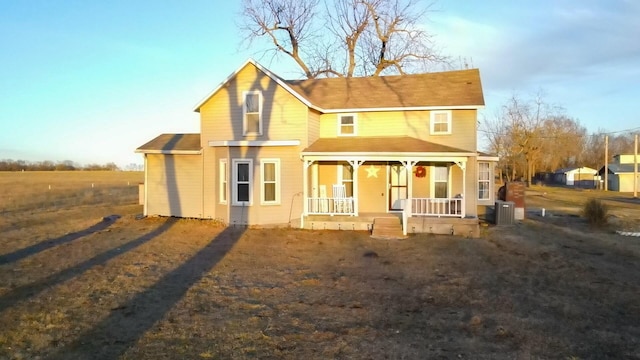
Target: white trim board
pixel 254 143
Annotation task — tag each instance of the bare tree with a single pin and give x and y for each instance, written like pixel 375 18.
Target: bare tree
pixel 345 37
pixel 563 143
pixel 528 133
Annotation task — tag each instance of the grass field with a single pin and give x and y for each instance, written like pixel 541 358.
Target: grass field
pixel 76 286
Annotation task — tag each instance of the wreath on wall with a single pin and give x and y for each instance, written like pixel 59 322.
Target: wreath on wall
pixel 421 172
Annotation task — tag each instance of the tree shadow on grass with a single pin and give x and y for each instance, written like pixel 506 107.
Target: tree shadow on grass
pixel 127 323
pixel 26 291
pixel 47 244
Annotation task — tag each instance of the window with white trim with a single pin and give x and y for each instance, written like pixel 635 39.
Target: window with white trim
pixel 484 181
pixel 252 113
pixel 347 124
pixel 242 181
pixel 345 177
pixel 440 122
pixel 441 181
pixel 270 177
pixel 223 181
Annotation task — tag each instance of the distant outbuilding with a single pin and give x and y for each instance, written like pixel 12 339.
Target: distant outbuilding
pixel 576 176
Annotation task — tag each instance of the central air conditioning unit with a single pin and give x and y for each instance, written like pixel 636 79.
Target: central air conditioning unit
pixel 505 211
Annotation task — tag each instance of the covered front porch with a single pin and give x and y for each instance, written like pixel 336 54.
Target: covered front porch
pixel 407 184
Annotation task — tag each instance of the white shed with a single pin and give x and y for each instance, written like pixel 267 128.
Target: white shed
pixel 575 176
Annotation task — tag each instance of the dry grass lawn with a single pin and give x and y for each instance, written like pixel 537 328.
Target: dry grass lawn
pixel 75 286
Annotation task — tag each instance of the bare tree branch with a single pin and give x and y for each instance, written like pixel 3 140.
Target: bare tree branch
pixel 374 36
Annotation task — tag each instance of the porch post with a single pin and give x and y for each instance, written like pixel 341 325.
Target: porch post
pixel 305 186
pixel 463 166
pixel 408 165
pixel 355 164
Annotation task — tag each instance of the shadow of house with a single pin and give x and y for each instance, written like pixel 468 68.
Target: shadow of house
pixel 128 322
pixel 26 291
pixel 50 243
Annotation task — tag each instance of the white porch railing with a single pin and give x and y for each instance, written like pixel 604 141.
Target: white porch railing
pixel 452 207
pixel 331 206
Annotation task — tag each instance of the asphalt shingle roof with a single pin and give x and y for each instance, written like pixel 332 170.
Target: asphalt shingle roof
pixel 399 144
pixel 173 142
pixel 450 88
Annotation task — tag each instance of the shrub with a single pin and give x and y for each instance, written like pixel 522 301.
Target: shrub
pixel 595 212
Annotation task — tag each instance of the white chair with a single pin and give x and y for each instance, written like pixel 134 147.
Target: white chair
pixel 341 204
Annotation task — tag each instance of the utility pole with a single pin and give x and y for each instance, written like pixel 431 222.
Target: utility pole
pixel 606 162
pixel 635 168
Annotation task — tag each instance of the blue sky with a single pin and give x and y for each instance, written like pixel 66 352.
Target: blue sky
pixel 89 81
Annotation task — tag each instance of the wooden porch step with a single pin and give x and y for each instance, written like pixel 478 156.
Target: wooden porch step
pixel 387 228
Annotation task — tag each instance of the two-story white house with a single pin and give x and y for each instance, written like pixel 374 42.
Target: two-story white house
pixel 328 153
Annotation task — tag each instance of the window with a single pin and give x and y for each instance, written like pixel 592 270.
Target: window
pixel 270 170
pixel 252 113
pixel 484 181
pixel 347 124
pixel 242 179
pixel 440 181
pixel 440 122
pixel 223 181
pixel 345 177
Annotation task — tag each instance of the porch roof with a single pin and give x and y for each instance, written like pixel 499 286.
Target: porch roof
pixel 385 145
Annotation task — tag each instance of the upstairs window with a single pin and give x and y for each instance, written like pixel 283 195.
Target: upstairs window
pixel 440 122
pixel 252 113
pixel 347 124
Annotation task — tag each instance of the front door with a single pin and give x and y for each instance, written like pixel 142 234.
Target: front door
pixel 397 186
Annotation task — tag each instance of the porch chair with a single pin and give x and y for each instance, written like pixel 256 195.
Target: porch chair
pixel 341 204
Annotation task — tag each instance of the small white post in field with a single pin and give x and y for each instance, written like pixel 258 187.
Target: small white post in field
pixel 543 211
pixel 49 187
pixel 92 185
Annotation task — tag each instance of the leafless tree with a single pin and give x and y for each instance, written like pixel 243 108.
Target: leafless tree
pixel 343 37
pixel 530 134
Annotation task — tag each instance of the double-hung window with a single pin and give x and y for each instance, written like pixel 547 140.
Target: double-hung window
pixel 440 181
pixel 242 181
pixel 252 113
pixel 346 178
pixel 484 181
pixel 347 124
pixel 440 122
pixel 270 175
pixel 223 181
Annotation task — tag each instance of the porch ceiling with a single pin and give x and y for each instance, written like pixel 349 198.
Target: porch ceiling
pixel 374 147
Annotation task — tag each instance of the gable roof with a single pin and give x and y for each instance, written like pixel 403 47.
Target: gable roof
pixel 267 72
pixel 173 144
pixel 382 144
pixel 460 89
pixel 448 89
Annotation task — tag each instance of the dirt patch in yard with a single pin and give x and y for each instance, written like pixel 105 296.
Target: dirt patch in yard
pixel 163 288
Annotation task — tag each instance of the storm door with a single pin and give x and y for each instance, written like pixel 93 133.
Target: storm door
pixel 397 186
